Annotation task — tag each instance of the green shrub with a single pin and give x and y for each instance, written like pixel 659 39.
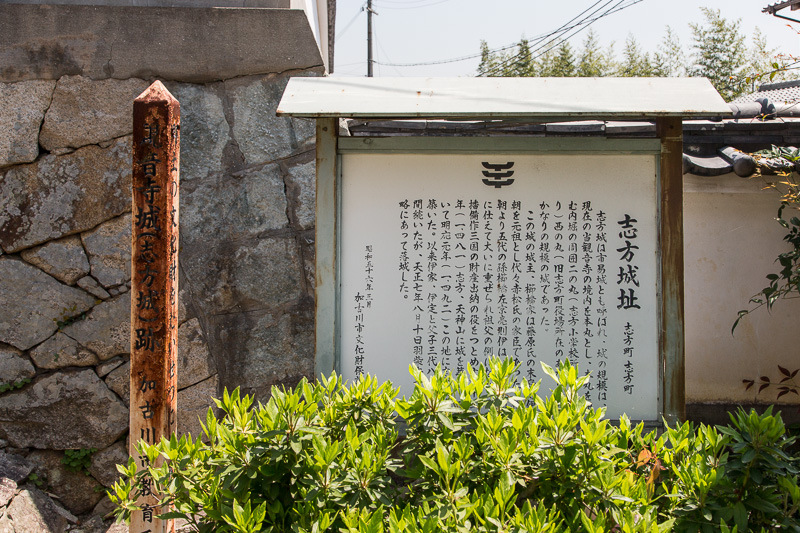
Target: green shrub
pixel 78 460
pixel 5 387
pixel 476 453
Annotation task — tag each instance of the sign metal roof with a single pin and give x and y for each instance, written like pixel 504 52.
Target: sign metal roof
pixel 501 98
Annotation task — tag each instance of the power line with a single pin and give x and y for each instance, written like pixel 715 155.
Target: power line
pixel 406 2
pixel 471 56
pixel 616 8
pixel 382 5
pixel 350 64
pixel 452 60
pixel 347 27
pixel 536 40
pixel 557 41
pixel 384 54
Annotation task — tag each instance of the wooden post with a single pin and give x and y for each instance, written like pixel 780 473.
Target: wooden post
pixel 671 341
pixel 154 286
pixel 326 246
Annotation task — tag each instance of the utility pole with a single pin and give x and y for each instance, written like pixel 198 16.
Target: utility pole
pixel 369 38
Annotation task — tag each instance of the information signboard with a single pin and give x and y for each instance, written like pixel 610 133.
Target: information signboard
pixel 571 247
pixel 447 259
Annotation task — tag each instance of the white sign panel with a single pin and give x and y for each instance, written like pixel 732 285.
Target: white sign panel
pixel 451 258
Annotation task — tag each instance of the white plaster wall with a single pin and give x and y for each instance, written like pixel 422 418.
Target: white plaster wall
pixel 731 242
pixel 317 13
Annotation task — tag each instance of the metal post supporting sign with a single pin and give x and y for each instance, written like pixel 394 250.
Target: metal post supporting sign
pixel 154 287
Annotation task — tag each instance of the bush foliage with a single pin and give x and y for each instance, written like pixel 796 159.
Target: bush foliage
pixel 477 452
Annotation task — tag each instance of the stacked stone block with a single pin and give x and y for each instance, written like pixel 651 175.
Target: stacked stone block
pixel 246 264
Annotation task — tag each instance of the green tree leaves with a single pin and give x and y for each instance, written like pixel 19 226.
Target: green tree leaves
pixel 717 52
pixel 635 63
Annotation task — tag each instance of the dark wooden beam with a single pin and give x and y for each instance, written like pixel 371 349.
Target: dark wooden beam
pixel 671 338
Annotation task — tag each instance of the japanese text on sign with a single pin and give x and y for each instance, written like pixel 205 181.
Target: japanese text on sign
pixel 440 267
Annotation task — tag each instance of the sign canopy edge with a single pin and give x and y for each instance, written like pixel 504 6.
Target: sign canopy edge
pixel 502 98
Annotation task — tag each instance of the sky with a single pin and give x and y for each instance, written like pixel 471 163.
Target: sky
pixel 423 31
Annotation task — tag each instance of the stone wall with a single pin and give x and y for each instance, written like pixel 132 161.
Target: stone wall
pixel 246 251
